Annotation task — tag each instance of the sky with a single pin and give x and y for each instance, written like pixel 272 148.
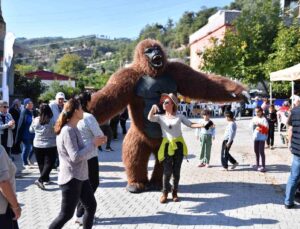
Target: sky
pixel 112 18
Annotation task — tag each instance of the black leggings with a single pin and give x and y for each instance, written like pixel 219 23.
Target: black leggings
pixel 93 165
pixel 270 140
pixel 73 192
pixel 6 220
pixel 259 149
pixel 172 166
pixel 46 158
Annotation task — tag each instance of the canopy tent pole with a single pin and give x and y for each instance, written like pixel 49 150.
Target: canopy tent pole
pixel 293 92
pixel 271 92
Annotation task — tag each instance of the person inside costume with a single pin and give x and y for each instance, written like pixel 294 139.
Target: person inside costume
pixel 139 86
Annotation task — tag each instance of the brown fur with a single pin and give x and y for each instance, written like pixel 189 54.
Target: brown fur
pixel 120 92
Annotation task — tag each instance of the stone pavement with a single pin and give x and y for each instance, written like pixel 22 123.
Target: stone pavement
pixel 210 198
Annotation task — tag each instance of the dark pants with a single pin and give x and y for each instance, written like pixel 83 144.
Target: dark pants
pixel 172 166
pixel 46 158
pixel 225 155
pixel 108 133
pixel 259 149
pixel 6 220
pixel 270 140
pixel 93 164
pixel 114 122
pixel 73 192
pixel 123 125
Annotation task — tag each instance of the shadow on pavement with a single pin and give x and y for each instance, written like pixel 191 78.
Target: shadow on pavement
pixel 180 219
pixel 111 168
pixel 235 196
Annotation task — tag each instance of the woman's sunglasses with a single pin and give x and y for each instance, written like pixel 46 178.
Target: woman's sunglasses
pixel 166 102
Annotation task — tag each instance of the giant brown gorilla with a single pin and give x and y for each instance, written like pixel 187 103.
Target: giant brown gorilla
pixel 140 86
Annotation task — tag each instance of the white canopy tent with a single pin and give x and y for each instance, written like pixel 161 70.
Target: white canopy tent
pixel 288 74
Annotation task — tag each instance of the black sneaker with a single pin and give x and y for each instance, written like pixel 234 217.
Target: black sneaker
pixel 108 149
pixel 289 206
pixel 39 184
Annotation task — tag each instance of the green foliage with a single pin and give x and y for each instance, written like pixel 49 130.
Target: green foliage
pixel 244 54
pixel 71 65
pixel 55 87
pixel 28 88
pixel 23 69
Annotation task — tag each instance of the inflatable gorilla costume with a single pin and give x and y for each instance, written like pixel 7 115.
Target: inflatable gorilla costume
pixel 140 86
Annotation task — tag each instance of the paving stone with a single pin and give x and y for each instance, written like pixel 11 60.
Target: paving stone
pixel 210 198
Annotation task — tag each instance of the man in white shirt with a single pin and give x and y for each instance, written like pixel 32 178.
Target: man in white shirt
pixel 58 105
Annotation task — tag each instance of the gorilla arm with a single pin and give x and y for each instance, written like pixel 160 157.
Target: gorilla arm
pixel 208 87
pixel 115 96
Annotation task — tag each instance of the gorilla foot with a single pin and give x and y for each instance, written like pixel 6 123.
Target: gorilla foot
pixel 135 187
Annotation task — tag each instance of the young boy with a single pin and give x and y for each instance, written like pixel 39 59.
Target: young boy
pixel 229 135
pixel 205 134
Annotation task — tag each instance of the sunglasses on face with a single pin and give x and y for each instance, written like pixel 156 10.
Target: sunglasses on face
pixel 5 106
pixel 166 102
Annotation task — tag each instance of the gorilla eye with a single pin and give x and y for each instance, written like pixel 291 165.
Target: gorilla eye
pixel 148 50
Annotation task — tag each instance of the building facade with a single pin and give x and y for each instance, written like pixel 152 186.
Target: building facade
pixel 216 27
pixel 48 78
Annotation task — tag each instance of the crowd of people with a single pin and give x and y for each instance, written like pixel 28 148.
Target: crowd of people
pixel 63 133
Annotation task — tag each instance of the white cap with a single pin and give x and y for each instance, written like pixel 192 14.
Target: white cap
pixel 60 95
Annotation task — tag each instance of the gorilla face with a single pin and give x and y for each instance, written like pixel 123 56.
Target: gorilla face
pixel 155 56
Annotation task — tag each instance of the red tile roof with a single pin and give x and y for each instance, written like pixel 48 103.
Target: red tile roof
pixel 45 75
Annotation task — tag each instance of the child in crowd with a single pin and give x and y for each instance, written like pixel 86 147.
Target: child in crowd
pixel 206 133
pixel 228 138
pixel 260 128
pixel 272 119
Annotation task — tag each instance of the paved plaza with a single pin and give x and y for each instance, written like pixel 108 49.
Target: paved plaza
pixel 210 198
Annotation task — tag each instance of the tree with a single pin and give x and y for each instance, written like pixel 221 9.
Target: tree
pixel 55 87
pixel 286 53
pixel 22 69
pixel 247 50
pixel 28 88
pixel 70 64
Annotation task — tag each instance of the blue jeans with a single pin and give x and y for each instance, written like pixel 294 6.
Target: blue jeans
pixel 291 186
pixel 27 150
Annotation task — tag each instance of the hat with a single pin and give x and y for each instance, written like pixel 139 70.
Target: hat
pixel 170 96
pixel 26 101
pixel 60 95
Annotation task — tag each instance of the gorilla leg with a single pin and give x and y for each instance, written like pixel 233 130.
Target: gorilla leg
pixel 156 178
pixel 136 155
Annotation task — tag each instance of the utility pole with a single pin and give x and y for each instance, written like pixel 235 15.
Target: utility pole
pixel 2 36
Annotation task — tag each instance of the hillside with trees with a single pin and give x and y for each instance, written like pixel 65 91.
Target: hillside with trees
pixel 261 43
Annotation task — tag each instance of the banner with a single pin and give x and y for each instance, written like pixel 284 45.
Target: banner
pixel 7 58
